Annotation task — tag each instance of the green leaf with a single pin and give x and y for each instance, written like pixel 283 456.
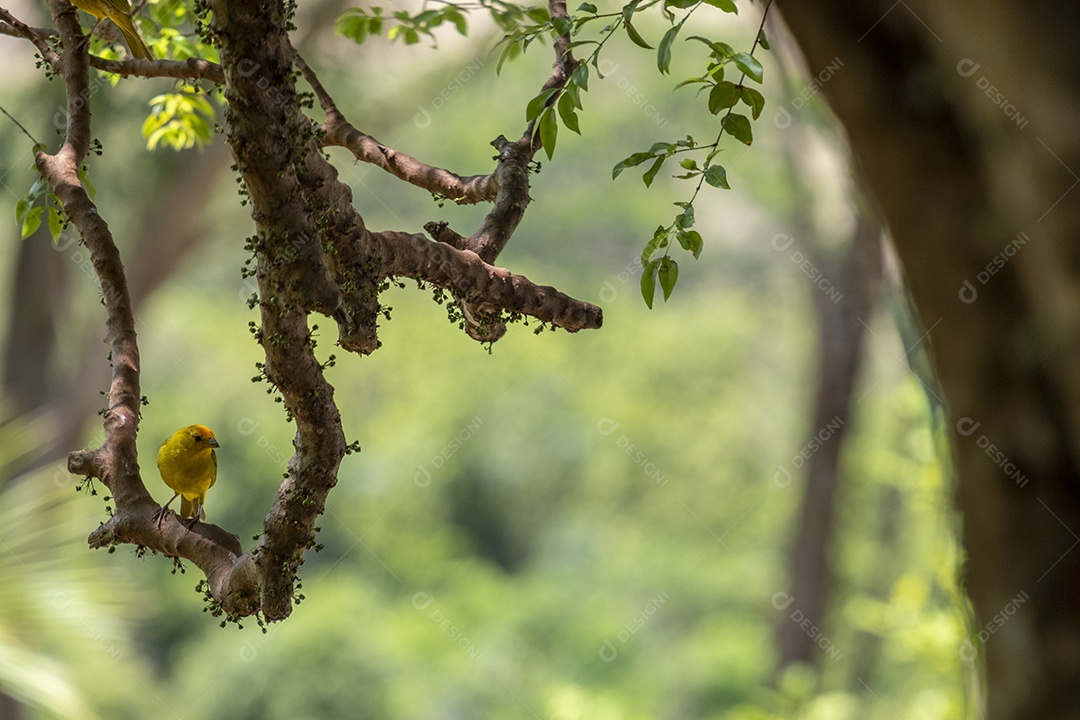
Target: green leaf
pixel 722 96
pixel 512 50
pixel 668 275
pixel 635 36
pixel 650 174
pixel 749 65
pixel 587 7
pixel 716 175
pixel 689 81
pixel 36 190
pixel 762 40
pixel 581 76
pixel 538 14
pixel 353 24
pixel 720 50
pixel 727 6
pixel 21 208
pixel 648 282
pixel 738 126
pixel 84 175
pixel 56 222
pixel 454 16
pixel 538 103
pixel 562 25
pixel 754 99
pixel 659 239
pixel 688 163
pixel 32 221
pixel 663 53
pixel 635 159
pixel 549 131
pixel 691 241
pixel 685 219
pixel 566 112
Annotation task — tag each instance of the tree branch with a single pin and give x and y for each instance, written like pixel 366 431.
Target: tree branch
pixel 270 138
pixel 38 36
pixel 491 288
pixel 313 254
pixel 338 131
pixel 190 69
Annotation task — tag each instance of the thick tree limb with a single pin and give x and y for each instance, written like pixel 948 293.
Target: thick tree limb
pixel 313 254
pixel 338 131
pixel 115 463
pixel 190 69
pixel 465 274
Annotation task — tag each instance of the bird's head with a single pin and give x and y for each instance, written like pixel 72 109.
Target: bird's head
pixel 197 438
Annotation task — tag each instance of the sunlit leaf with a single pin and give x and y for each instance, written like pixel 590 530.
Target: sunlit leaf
pixel 749 65
pixel 727 6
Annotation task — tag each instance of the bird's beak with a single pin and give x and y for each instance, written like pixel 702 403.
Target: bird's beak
pixel 212 442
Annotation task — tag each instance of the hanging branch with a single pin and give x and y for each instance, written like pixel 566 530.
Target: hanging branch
pixel 313 254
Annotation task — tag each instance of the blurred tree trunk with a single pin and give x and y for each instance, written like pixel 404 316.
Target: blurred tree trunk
pixel 963 117
pixel 841 328
pixel 35 377
pixel 842 321
pixel 39 291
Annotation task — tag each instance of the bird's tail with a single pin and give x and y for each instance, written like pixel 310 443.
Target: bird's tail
pixel 131 36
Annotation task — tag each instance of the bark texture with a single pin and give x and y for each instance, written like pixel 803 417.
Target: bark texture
pixel 962 116
pixel 312 253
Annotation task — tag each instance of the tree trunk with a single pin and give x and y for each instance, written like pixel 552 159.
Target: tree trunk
pixel 962 116
pixel 842 326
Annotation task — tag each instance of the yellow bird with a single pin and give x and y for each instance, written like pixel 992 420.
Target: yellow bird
pixel 188 465
pixel 119 11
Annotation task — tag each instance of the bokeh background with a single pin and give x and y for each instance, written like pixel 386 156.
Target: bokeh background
pixel 596 525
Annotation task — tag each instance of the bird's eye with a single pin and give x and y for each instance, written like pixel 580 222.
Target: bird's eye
pixel 198 437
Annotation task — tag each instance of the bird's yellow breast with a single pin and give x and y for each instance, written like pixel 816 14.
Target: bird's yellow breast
pixel 188 466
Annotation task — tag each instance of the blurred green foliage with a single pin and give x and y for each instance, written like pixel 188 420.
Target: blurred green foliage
pixel 582 526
